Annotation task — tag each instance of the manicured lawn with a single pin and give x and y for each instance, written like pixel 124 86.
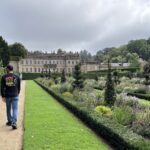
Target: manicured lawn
pixel 49 126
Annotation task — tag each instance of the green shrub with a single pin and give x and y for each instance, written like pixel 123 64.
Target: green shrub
pixel 67 95
pixel 103 109
pixel 124 115
pixel 142 124
pixel 66 87
pixel 50 83
pixel 140 90
pixel 124 100
pixel 110 93
pixel 30 76
pixel 55 88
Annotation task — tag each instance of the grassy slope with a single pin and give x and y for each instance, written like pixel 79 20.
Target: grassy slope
pixel 49 126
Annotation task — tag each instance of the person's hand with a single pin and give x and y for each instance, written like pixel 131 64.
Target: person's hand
pixel 4 99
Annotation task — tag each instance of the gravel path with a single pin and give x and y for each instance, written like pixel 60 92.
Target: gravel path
pixel 12 139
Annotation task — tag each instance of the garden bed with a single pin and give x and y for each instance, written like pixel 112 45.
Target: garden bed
pixel 116 134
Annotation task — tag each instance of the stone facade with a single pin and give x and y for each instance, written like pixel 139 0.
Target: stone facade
pixel 36 62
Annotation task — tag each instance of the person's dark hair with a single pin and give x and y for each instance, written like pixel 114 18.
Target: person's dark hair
pixel 9 67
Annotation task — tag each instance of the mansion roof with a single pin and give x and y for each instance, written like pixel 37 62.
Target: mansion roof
pixel 58 55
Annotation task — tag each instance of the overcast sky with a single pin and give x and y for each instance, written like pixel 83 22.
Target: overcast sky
pixel 74 25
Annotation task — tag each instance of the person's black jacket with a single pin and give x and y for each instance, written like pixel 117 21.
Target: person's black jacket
pixel 10 85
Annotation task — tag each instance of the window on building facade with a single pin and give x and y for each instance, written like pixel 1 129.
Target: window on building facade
pixel 26 61
pixel 72 69
pixel 30 61
pixel 38 62
pixel 34 61
pixel 69 70
pixel 38 69
pixel 30 69
pixel 53 61
pixel 26 69
pixel 34 69
pixel 49 62
pixel 72 62
pixel 68 61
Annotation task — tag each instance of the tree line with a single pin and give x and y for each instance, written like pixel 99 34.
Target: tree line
pixel 7 52
pixel 129 53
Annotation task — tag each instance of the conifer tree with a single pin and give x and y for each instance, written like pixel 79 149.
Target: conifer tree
pixel 78 83
pixel 110 95
pixel 63 77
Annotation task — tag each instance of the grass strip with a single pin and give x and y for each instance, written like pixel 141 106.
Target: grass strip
pixel 49 126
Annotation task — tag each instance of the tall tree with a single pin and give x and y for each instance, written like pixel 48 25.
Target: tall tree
pixel 17 49
pixel 110 95
pixel 78 83
pixel 63 78
pixel 85 56
pixel 146 72
pixel 4 52
pixel 141 47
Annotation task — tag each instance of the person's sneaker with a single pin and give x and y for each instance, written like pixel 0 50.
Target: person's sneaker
pixel 8 123
pixel 14 125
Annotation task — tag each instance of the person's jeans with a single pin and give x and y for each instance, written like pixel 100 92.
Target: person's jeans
pixel 12 109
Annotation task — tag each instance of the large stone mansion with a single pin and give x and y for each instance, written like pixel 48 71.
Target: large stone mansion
pixel 37 62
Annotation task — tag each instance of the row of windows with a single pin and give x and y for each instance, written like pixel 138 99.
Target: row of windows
pixel 38 70
pixel 30 62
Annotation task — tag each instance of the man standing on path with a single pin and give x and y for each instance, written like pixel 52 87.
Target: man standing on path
pixel 10 89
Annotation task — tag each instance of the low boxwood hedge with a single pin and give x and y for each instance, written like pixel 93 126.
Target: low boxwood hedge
pixel 30 76
pixel 139 95
pixel 116 134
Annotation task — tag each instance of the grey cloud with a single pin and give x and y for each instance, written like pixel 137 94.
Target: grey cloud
pixel 74 25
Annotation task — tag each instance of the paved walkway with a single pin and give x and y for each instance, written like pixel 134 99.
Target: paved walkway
pixel 12 139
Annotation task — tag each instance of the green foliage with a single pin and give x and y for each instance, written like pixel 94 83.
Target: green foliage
pixel 67 95
pixel 85 56
pixel 124 115
pixel 51 127
pixel 142 124
pixel 4 52
pixel 141 47
pixel 78 83
pixel 50 82
pixel 55 88
pixel 118 135
pixel 141 90
pixel 17 49
pixel 66 87
pixel 103 109
pixel 146 72
pixel 30 76
pixel 63 78
pixel 110 95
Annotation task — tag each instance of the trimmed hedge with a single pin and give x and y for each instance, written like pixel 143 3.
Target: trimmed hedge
pixel 139 95
pixel 98 88
pixel 116 134
pixel 30 76
pixel 121 72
